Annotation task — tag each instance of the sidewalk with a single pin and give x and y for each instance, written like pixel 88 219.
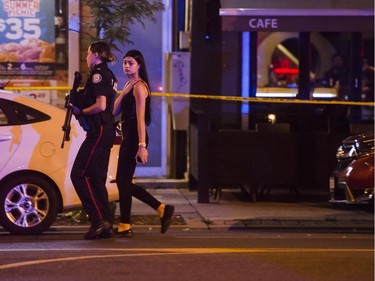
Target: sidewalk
pixel 234 212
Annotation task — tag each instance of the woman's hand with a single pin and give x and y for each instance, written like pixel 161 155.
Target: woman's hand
pixel 127 88
pixel 142 155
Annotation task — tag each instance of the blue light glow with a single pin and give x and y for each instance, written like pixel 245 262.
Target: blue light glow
pixel 245 87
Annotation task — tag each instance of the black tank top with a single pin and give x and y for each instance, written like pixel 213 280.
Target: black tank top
pixel 128 107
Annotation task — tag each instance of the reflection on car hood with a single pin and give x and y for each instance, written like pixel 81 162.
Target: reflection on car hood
pixel 360 138
pixel 357 145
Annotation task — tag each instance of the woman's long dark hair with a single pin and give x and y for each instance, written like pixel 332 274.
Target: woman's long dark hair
pixel 137 55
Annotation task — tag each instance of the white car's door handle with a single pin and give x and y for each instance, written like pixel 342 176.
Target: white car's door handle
pixel 5 138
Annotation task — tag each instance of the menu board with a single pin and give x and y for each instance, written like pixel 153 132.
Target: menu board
pixel 27 37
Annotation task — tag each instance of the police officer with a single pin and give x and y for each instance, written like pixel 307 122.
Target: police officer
pixel 90 167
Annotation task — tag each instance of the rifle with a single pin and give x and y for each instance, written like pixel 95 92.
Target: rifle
pixel 69 111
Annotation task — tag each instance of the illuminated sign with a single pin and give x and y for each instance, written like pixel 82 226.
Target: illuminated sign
pixel 27 37
pixel 263 23
pixel 335 20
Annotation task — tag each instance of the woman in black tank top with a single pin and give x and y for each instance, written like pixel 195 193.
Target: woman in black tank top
pixel 134 105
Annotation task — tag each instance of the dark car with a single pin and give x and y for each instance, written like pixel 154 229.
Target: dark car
pixel 352 181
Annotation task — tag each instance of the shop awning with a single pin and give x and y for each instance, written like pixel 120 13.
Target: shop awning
pixel 297 20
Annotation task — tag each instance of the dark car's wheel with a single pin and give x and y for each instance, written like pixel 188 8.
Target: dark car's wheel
pixel 28 205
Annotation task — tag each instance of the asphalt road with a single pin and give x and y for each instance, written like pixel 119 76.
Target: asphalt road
pixel 189 255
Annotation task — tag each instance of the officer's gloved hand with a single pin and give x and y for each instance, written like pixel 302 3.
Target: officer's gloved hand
pixel 75 110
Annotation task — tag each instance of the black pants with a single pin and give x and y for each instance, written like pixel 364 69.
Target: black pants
pixel 125 172
pixel 89 173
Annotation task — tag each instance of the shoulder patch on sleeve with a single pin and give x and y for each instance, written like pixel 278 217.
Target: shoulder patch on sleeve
pixel 96 78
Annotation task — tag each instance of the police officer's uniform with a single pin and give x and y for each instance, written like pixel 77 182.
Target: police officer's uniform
pixel 90 167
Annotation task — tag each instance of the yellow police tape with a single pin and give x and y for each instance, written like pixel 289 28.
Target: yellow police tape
pixel 263 100
pixel 214 97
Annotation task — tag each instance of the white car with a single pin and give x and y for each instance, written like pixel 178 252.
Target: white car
pixel 35 180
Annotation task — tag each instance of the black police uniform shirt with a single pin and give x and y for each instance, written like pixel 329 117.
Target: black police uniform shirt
pixel 101 82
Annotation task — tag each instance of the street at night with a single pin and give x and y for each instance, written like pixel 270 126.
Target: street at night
pixel 189 255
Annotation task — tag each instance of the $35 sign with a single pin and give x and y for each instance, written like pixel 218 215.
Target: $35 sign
pixel 19 28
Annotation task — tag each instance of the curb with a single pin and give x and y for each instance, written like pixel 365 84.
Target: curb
pixel 349 226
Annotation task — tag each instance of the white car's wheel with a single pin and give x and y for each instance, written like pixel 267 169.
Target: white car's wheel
pixel 28 205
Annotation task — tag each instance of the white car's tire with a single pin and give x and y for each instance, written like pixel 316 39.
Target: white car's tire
pixel 28 205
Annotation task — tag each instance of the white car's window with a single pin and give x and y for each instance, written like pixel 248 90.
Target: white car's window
pixel 14 113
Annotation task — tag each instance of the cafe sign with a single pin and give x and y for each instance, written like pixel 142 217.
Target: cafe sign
pixel 297 20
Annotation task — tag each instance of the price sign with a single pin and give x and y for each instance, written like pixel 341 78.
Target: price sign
pixel 16 28
pixel 27 37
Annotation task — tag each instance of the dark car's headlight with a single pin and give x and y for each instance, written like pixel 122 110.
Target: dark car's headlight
pixel 346 152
